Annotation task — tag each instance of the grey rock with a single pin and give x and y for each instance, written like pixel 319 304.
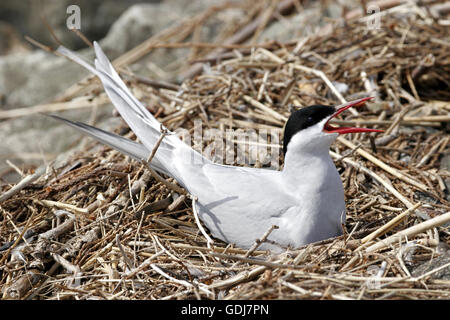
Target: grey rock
pixel 139 23
pixel 436 262
pixel 334 10
pixel 310 19
pixel 293 27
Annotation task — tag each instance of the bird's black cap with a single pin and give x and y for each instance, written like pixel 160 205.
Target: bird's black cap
pixel 304 118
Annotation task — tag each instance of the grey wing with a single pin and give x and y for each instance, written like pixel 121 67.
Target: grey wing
pixel 237 203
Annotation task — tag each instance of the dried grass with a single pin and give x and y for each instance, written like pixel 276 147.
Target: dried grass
pixel 100 226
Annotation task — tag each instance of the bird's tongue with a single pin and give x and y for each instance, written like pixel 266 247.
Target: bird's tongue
pixel 341 130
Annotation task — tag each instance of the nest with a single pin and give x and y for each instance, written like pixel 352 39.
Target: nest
pixel 102 226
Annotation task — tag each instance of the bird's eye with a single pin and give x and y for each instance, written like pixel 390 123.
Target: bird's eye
pixel 309 119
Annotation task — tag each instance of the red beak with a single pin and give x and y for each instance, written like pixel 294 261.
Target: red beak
pixel 341 130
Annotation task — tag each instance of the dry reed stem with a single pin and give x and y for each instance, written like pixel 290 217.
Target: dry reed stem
pixel 409 232
pixel 383 165
pixel 82 102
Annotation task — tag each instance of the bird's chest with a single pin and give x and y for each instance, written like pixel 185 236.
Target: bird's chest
pixel 316 188
pixel 317 176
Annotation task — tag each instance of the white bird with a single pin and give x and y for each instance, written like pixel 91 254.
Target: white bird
pixel 239 204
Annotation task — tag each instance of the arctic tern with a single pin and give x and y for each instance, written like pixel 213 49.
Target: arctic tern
pixel 239 204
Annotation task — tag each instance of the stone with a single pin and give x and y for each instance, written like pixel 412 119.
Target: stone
pixel 436 262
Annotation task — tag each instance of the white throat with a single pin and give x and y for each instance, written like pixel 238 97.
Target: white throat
pixel 310 175
pixel 308 148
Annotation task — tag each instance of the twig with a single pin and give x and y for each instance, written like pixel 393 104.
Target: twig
pixel 69 267
pixel 383 165
pixel 49 28
pixel 349 153
pixel 256 261
pixel 411 231
pixel 23 183
pixel 157 144
pixel 19 238
pixel 201 286
pixel 82 37
pixel 130 193
pixel 240 36
pixel 147 162
pixel 258 242
pixel 411 85
pixel 427 62
pixel 264 108
pixel 398 118
pixel 65 206
pixel 387 185
pixel 263 86
pixel 216 249
pixel 21 286
pixel 177 45
pixel 168 184
pixel 159 84
pixel 313 293
pixel 209 241
pixel 15 168
pixel 433 149
pixel 82 102
pixel 241 277
pixel 41 46
pixel 388 226
pixel 147 262
pixel 333 89
pixel 174 205
pixel 58 230
pixel 124 254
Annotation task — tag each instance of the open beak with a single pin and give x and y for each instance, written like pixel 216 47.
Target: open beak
pixel 339 109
